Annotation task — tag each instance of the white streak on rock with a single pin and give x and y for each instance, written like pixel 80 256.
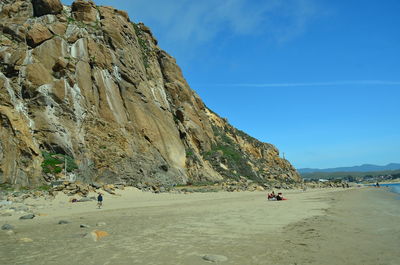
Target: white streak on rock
pixel 79 50
pixel 117 76
pixel 28 58
pixel 19 105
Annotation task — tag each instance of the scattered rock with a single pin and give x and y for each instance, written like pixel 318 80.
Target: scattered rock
pixel 109 191
pixel 98 234
pixel 26 240
pixel 215 258
pixel 57 183
pixel 63 222
pixel 85 199
pixel 7 227
pixel 42 214
pixel 84 226
pixel 10 232
pixel 28 216
pixel 96 185
pixel 101 224
pixel 119 186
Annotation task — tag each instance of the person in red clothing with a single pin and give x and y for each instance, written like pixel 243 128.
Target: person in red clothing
pixel 271 196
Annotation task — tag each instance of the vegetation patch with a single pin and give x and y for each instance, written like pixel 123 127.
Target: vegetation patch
pixel 96 25
pixel 6 187
pixel 44 188
pixel 228 152
pixel 145 49
pixel 54 163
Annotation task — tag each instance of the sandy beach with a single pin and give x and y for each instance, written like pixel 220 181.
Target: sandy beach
pixel 330 226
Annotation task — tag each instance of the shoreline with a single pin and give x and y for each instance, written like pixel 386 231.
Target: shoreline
pixel 147 228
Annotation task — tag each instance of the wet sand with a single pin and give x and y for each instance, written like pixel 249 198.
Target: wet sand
pixel 357 226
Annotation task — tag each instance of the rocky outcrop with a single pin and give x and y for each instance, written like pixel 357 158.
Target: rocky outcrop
pixel 38 34
pixel 86 94
pixel 84 11
pixel 45 7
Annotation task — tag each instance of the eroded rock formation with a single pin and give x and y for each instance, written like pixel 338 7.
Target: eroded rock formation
pixel 85 84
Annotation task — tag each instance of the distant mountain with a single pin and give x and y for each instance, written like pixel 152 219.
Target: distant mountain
pixel 362 168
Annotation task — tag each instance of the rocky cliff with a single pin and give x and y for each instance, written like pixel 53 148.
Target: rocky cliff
pixel 87 93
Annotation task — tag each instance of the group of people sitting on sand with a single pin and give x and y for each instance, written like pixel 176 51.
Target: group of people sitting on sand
pixel 276 197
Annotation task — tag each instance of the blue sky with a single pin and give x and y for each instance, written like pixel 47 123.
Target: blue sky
pixel 319 79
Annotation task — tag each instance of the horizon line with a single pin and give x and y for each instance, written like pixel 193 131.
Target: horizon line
pixel 311 84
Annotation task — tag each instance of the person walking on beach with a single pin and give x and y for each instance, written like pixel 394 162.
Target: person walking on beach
pixel 100 200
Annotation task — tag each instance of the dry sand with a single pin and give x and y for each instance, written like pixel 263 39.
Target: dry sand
pixel 357 226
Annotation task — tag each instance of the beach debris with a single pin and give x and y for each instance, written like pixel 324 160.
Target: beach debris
pixel 95 235
pixel 215 258
pixel 83 189
pixel 26 240
pixel 7 227
pixel 42 214
pixel 84 226
pixel 27 217
pixel 63 222
pixel 101 224
pixel 10 232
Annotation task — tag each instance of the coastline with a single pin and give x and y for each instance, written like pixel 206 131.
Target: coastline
pixel 244 227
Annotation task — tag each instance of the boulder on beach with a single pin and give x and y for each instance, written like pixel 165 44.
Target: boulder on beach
pixel 96 235
pixel 215 258
pixel 7 227
pixel 27 217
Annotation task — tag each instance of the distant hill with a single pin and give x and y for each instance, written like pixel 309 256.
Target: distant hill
pixel 350 175
pixel 362 168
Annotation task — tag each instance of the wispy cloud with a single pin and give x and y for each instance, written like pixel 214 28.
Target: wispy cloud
pixel 201 21
pixel 310 84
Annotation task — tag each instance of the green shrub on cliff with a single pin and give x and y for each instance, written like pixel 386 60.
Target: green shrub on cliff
pixel 145 49
pixel 54 163
pixel 229 153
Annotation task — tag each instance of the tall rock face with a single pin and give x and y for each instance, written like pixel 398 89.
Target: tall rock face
pixel 86 92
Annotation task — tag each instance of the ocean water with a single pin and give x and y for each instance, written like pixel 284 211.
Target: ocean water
pixel 395 187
